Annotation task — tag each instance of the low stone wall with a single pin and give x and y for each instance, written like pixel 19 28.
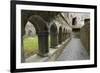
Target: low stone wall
pixel 85 36
pixel 52 56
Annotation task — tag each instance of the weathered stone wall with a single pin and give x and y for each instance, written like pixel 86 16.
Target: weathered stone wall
pixel 85 34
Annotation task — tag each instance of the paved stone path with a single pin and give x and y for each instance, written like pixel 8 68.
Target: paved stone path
pixel 74 50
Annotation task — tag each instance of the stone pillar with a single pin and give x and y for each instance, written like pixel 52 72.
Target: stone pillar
pixel 60 38
pixel 22 49
pixel 23 22
pixel 65 36
pixel 43 43
pixel 54 39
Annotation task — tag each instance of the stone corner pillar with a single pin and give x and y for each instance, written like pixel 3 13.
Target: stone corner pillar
pixel 43 43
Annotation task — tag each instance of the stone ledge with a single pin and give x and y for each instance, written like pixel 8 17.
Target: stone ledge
pixel 52 55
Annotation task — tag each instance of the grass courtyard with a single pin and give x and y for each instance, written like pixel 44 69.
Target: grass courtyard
pixel 31 45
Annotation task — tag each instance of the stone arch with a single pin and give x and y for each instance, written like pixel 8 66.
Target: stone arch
pixel 60 35
pixel 41 30
pixel 42 33
pixel 39 23
pixel 53 36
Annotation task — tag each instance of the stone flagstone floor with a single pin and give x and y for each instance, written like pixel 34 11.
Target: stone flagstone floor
pixel 74 50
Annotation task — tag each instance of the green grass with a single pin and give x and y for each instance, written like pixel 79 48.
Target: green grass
pixel 31 45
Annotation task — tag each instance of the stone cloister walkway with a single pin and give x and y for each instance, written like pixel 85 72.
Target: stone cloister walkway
pixel 74 50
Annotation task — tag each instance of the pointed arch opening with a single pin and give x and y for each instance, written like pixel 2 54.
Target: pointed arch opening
pixel 41 39
pixel 53 36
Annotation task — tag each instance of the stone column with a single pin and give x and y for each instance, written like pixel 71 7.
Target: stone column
pixel 54 39
pixel 22 48
pixel 43 43
pixel 60 38
pixel 64 36
pixel 23 22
